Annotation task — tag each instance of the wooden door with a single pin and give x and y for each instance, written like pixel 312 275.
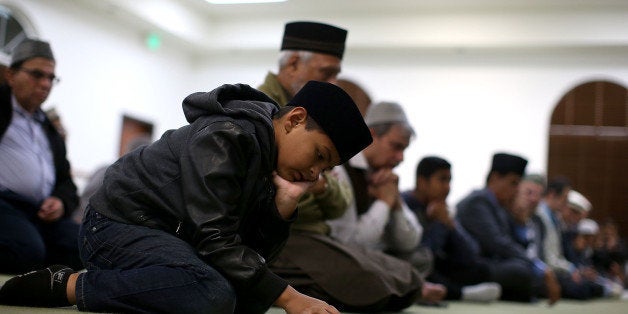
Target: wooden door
pixel 133 128
pixel 588 143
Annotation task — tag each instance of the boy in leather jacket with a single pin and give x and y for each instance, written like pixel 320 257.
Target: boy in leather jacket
pixel 188 223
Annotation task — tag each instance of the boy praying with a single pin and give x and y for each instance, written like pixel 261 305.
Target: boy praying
pixel 188 223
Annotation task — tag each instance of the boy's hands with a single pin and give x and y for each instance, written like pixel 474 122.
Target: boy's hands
pixel 319 186
pixel 294 302
pixel 288 194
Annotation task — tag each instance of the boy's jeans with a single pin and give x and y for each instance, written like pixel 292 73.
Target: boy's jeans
pixel 137 269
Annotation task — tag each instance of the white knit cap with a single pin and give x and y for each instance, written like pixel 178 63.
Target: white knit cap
pixel 578 202
pixel 385 112
pixel 588 226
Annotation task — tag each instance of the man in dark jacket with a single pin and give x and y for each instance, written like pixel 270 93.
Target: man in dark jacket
pixel 188 223
pixel 37 195
pixel 484 214
pixel 457 263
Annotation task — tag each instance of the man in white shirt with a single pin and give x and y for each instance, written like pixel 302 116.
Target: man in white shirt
pixel 378 218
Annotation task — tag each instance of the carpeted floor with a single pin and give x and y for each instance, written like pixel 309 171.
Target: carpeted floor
pixel 603 306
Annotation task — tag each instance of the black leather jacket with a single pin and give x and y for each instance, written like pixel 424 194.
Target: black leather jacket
pixel 209 183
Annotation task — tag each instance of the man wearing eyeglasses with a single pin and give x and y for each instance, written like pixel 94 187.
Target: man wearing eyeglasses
pixel 37 195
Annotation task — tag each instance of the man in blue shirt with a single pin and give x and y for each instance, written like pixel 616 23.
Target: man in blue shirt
pixel 457 263
pixel 37 195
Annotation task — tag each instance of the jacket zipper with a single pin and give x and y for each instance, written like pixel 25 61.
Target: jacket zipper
pixel 178 228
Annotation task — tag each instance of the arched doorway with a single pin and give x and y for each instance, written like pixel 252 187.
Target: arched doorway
pixel 588 143
pixel 14 28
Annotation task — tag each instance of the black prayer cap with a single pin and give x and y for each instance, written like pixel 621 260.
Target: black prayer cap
pixel 31 48
pixel 313 36
pixel 336 113
pixel 505 163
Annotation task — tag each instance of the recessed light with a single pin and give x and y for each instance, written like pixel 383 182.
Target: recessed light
pixel 242 1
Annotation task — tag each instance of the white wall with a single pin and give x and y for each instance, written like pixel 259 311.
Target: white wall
pixel 463 106
pixel 106 72
pixel 495 94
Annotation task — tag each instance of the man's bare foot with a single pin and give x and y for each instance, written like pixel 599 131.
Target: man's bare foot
pixel 433 292
pixel 553 287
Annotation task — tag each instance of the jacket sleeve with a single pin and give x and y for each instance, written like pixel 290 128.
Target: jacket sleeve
pixel 213 169
pixel 64 187
pixel 479 221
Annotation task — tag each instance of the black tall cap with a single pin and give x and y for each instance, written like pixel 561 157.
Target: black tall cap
pixel 336 113
pixel 314 36
pixel 505 163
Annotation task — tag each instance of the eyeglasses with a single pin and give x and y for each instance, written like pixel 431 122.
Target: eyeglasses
pixel 38 75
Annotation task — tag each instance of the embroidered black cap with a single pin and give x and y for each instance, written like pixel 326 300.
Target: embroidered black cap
pixel 314 36
pixel 336 113
pixel 506 163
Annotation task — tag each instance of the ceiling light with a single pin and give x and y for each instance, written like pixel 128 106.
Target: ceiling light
pixel 242 1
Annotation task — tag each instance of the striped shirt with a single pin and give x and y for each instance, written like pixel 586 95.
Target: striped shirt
pixel 26 161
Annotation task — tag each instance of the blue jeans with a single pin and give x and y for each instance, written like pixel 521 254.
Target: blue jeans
pixel 27 243
pixel 136 269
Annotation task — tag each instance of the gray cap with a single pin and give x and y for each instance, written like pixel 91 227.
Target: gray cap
pixel 536 178
pixel 31 48
pixel 385 112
